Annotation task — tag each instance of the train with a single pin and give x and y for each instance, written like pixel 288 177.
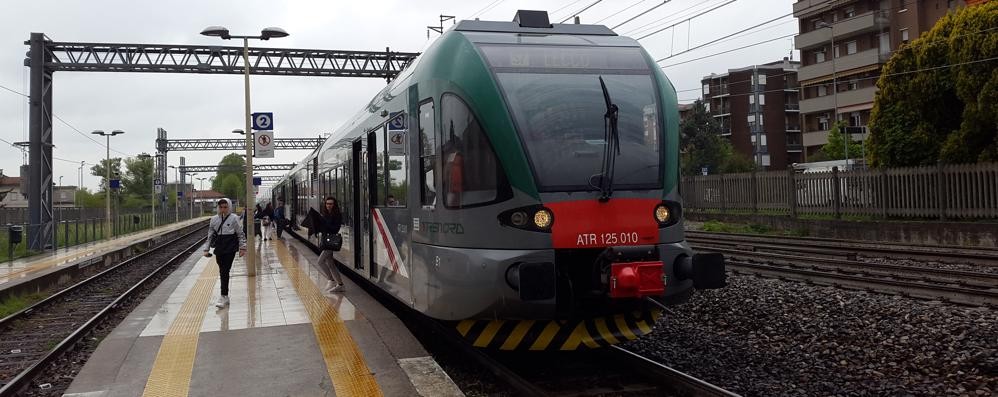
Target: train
pixel 518 181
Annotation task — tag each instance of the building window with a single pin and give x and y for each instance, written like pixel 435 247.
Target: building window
pixel 822 90
pixel 706 89
pixel 904 36
pixel 816 24
pixel 835 51
pixel 850 11
pixel 903 7
pixel 885 43
pixel 819 56
pixel 951 4
pixel 751 99
pixel 851 47
pixel 823 123
pixel 471 172
pixel 427 154
pixel 762 100
pixel 855 120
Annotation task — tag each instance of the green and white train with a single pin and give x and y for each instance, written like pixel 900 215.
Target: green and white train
pixel 518 180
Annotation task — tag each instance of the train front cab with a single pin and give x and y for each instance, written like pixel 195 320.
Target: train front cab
pixel 506 223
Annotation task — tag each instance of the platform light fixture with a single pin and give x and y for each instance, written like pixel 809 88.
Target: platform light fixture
pixel 265 34
pixel 107 179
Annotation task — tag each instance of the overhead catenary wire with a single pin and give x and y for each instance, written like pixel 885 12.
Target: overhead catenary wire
pixel 642 13
pixel 688 19
pixel 877 77
pixel 722 38
pixel 472 15
pixel 581 11
pixel 664 20
pixel 620 11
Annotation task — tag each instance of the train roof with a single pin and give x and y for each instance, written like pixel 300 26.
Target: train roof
pixel 513 27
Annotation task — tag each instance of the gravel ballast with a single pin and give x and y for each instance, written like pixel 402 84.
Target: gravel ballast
pixel 766 337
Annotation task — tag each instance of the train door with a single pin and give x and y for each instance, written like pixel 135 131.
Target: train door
pixel 358 204
pixel 372 194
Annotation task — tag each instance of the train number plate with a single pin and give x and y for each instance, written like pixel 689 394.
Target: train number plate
pixel 605 239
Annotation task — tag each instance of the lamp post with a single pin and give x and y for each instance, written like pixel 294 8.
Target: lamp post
pixel 107 164
pixel 835 89
pixel 176 188
pixel 201 189
pixel 152 193
pixel 80 184
pixel 265 34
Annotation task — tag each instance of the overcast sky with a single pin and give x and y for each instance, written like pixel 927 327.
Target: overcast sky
pixel 210 106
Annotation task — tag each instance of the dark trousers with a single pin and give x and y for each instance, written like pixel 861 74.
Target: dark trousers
pixel 224 266
pixel 280 227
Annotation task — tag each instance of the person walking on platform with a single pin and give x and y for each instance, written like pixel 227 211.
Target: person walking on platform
pixel 257 221
pixel 226 236
pixel 266 220
pixel 330 221
pixel 279 219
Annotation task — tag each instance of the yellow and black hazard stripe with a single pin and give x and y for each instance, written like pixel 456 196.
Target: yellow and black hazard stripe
pixel 525 335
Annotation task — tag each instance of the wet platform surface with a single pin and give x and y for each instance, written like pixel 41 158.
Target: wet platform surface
pixel 280 336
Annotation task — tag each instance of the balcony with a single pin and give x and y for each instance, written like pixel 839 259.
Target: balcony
pixel 845 98
pixel 806 7
pixel 841 64
pixel 795 147
pixel 793 129
pixel 868 22
pixel 722 112
pixel 815 138
pixel 725 131
pixel 792 107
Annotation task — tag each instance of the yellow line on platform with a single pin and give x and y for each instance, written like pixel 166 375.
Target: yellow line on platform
pixel 171 372
pixel 347 369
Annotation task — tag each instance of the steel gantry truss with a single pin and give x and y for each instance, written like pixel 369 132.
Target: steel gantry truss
pixel 45 57
pixel 165 58
pixel 168 145
pixel 193 169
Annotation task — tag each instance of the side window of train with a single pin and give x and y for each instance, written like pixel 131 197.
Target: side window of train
pixel 471 173
pixel 427 154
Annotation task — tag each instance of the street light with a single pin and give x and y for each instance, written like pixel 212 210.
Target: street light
pixel 265 34
pixel 201 189
pixel 152 193
pixel 107 189
pixel 176 188
pixel 835 88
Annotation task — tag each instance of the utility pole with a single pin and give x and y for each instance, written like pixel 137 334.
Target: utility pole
pixel 757 117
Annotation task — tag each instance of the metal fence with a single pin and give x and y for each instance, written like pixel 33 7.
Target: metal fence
pixel 958 191
pixel 68 233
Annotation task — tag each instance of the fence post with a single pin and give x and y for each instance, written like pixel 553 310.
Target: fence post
pixel 940 190
pixel 724 198
pixel 836 191
pixel 792 180
pixel 755 193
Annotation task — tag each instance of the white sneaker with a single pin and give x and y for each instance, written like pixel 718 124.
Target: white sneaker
pixel 338 288
pixel 223 301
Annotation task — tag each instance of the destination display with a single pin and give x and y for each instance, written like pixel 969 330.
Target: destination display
pixel 565 57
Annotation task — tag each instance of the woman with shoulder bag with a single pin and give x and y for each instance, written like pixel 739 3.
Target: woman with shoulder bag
pixel 331 219
pixel 226 236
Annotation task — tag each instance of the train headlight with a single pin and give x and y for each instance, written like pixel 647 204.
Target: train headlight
pixel 518 219
pixel 662 213
pixel 543 218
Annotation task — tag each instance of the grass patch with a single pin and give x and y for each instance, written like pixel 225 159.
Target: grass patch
pixel 751 228
pixel 16 303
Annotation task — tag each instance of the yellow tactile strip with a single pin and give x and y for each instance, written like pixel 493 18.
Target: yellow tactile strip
pixel 171 372
pixel 347 370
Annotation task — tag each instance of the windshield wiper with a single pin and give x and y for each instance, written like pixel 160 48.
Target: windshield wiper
pixel 612 147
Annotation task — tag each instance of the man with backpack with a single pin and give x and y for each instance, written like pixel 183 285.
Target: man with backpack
pixel 226 236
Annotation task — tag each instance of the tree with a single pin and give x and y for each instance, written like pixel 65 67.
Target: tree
pixel 232 165
pixel 137 182
pixel 835 148
pixel 936 96
pixel 702 145
pixel 100 171
pixel 231 186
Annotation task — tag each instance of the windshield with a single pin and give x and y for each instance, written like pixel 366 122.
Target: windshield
pixel 559 113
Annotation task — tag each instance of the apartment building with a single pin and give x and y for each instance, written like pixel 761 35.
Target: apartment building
pixel 843 45
pixel 757 107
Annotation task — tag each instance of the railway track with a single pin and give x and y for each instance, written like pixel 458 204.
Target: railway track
pixel 839 267
pixel 934 253
pixel 34 338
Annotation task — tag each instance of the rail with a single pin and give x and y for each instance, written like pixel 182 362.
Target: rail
pixel 18 383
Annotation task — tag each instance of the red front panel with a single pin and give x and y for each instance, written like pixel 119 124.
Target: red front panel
pixel 592 224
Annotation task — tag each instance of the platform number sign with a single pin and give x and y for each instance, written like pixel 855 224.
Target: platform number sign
pixel 263 121
pixel 397 122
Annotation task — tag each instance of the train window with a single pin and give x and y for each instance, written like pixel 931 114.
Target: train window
pixel 470 168
pixel 381 158
pixel 427 154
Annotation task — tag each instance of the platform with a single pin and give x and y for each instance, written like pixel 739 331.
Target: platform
pixel 280 336
pixel 28 267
